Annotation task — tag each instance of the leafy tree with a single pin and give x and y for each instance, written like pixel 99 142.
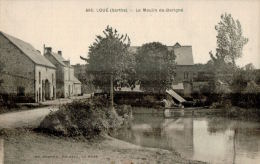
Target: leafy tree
pixel 155 66
pixel 230 40
pixel 245 88
pixel 249 67
pixel 257 76
pixel 243 77
pixel 109 60
pixel 250 72
pixel 230 43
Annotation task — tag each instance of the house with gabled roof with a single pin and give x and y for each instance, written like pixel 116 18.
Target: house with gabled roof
pixel 27 75
pixel 67 84
pixel 184 62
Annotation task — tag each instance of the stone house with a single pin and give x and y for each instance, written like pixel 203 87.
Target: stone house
pixel 67 84
pixel 185 71
pixel 26 74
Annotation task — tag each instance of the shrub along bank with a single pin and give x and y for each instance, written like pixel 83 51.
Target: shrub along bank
pixel 86 118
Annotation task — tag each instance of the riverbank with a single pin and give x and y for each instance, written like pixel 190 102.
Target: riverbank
pixel 232 112
pixel 26 146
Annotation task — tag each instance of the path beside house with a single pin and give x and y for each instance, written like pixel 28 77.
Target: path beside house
pixel 33 117
pixel 66 100
pixel 28 118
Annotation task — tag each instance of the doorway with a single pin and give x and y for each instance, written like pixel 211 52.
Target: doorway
pixel 47 90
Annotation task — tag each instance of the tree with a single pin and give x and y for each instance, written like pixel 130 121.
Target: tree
pixel 230 43
pixel 242 77
pixel 155 66
pixel 245 88
pixel 109 60
pixel 230 39
pixel 249 67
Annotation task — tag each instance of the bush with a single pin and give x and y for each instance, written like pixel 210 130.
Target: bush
pixel 83 117
pixel 223 104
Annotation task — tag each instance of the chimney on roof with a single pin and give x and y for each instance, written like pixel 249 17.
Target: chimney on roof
pixel 48 49
pixel 60 53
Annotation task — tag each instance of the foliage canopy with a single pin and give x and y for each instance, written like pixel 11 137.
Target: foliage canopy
pixel 155 66
pixel 108 55
pixel 230 40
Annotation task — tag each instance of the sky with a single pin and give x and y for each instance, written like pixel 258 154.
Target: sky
pixel 66 26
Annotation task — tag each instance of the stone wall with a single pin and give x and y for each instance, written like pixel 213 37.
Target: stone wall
pixel 59 75
pixel 185 73
pixel 77 89
pixel 69 81
pixel 65 77
pixel 45 85
pixel 18 72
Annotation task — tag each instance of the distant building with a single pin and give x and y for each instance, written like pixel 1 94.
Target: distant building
pixel 184 63
pixel 185 71
pixel 79 69
pixel 80 72
pixel 67 84
pixel 27 74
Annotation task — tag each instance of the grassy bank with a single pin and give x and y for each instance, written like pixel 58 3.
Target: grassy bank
pixel 26 146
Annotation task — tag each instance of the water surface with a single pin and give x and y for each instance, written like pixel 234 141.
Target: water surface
pixel 214 140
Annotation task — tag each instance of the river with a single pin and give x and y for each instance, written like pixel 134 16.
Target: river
pixel 214 140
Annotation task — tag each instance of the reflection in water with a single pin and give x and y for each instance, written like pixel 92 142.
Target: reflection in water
pixel 179 134
pixel 215 140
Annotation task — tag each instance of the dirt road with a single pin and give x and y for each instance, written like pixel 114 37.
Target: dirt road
pixel 28 118
pixel 32 118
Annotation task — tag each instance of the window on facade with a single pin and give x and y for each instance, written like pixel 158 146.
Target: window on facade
pixel 20 91
pixel 186 75
pixel 40 95
pixel 37 96
pixel 66 76
pixel 52 78
pixel 69 74
pixel 40 78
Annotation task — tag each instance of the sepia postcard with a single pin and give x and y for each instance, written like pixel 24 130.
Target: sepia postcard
pixel 130 82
